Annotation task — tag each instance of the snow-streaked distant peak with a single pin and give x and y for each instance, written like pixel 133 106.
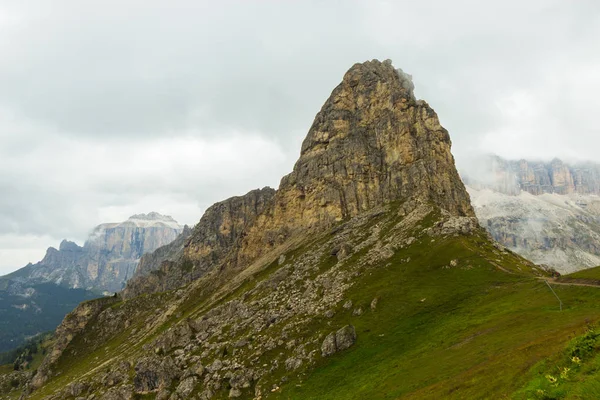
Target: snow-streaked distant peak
pixel 153 219
pixel 150 220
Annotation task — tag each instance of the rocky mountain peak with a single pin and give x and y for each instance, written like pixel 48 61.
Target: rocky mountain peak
pixel 66 245
pixel 372 73
pixel 373 143
pixel 109 256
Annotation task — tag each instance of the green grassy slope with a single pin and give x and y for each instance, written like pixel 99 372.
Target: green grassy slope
pixel 455 317
pixel 592 274
pixel 449 333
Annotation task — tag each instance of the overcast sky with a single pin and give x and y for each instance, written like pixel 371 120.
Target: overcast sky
pixel 111 108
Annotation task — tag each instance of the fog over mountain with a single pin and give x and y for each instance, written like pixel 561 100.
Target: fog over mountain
pixel 99 124
pixel 548 212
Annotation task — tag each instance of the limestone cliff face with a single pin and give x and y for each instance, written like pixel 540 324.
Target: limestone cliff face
pixel 195 252
pixel 107 259
pixel 535 177
pixel 223 224
pixel 372 143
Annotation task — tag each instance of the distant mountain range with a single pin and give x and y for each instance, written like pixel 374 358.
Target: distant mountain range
pixel 535 177
pixel 36 298
pixel 549 212
pixel 107 259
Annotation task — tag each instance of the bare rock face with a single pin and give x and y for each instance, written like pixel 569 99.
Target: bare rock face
pixel 169 252
pixel 371 144
pixel 223 224
pixel 343 339
pixel 558 230
pixel 196 252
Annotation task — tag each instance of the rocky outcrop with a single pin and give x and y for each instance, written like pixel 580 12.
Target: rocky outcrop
pixel 343 339
pixel 73 324
pixel 154 373
pixel 107 259
pixel 371 144
pixel 223 225
pixel 194 253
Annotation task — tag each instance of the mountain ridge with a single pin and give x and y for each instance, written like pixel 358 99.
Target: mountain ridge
pixel 108 257
pixel 365 275
pixel 535 177
pixel 541 218
pixel 370 144
pixel 374 152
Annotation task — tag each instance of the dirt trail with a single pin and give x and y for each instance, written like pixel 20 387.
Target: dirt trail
pixel 553 281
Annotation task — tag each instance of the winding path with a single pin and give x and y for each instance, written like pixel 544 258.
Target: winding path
pixel 553 281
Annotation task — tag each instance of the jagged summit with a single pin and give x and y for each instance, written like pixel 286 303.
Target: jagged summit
pixel 370 243
pixel 67 245
pixel 108 257
pixel 372 143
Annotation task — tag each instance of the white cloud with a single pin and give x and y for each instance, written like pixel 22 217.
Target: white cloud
pixel 18 250
pixel 110 108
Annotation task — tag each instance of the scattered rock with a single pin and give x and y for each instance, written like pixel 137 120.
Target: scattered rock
pixel 118 393
pixel 186 387
pixel 215 366
pixel 328 347
pixel 374 304
pixel 152 373
pixel 292 364
pixel 345 337
pixel 338 341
